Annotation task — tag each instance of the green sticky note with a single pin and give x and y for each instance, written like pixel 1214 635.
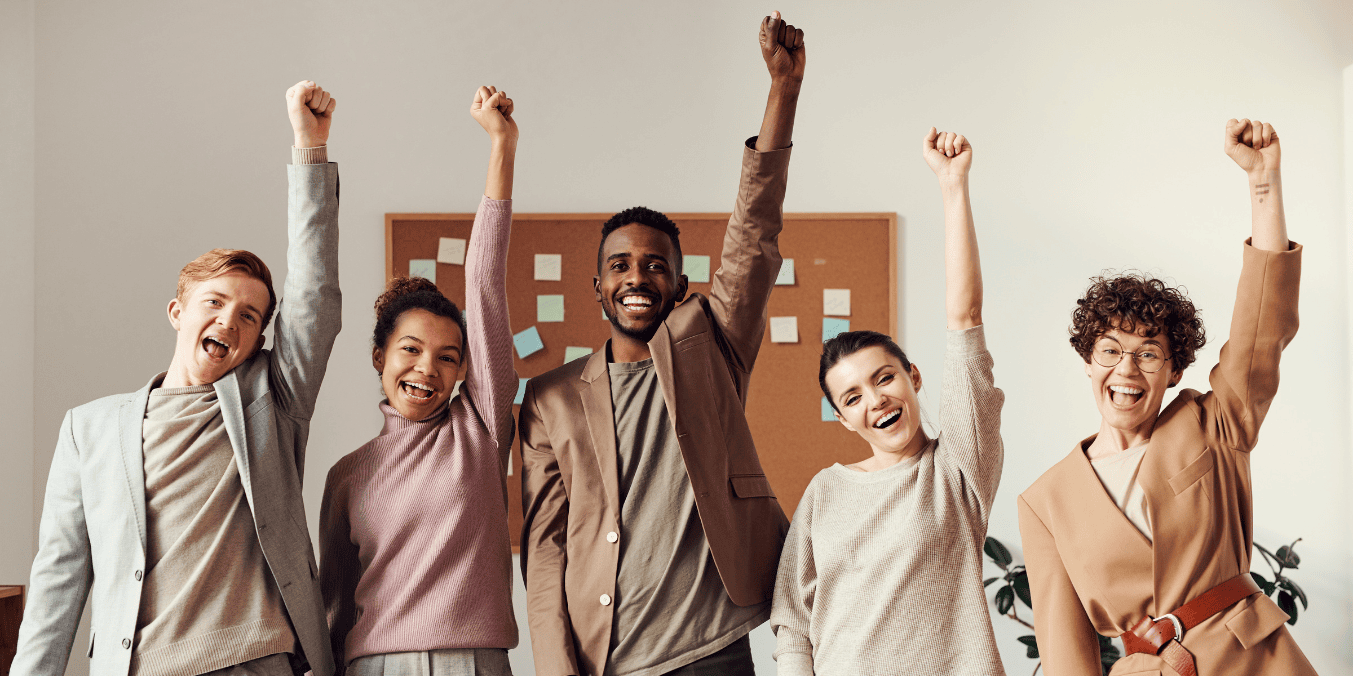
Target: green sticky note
pixel 571 353
pixel 549 308
pixel 786 276
pixel 832 328
pixel 828 413
pixel 696 268
pixel 425 268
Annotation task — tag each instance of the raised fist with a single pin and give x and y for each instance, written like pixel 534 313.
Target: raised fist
pixel 947 153
pixel 311 110
pixel 493 111
pixel 782 48
pixel 1253 145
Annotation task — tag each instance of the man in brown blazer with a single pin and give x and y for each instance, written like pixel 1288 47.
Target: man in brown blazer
pixel 651 534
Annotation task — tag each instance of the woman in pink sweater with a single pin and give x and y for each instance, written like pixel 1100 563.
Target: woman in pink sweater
pixel 416 563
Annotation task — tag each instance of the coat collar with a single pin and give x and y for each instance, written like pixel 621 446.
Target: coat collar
pixel 130 440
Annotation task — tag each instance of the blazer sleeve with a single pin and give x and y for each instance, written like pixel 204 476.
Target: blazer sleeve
pixel 339 567
pixel 63 570
pixel 751 253
pixel 543 546
pixel 795 591
pixel 309 311
pixel 1264 322
pixel 1067 642
pixel 491 375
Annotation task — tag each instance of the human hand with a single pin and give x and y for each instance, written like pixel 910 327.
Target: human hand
pixel 1253 145
pixel 782 48
pixel 493 111
pixel 948 154
pixel 311 110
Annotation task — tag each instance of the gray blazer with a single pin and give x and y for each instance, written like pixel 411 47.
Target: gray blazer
pixel 93 530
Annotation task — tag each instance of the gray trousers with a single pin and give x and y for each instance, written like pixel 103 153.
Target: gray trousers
pixel 733 660
pixel 272 665
pixel 455 662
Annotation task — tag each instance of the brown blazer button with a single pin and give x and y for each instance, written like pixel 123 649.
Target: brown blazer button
pixel 127 643
pixel 612 537
pixel 605 599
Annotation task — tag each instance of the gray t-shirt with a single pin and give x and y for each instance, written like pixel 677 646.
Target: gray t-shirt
pixel 671 608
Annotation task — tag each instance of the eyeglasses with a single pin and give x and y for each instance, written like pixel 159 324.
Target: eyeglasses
pixel 1148 359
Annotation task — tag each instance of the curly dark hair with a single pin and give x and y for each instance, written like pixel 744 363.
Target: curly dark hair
pixel 411 293
pixel 1136 302
pixel 642 216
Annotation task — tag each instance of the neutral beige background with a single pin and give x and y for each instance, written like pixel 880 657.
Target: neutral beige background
pixel 135 135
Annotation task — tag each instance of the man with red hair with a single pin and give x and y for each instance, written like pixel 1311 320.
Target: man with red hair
pixel 177 509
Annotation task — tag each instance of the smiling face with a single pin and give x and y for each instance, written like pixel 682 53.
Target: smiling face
pixel 220 324
pixel 875 397
pixel 638 284
pixel 419 363
pixel 1128 398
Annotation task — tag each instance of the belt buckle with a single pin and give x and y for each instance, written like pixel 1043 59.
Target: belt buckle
pixel 1178 625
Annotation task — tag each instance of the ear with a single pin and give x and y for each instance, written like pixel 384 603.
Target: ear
pixel 915 378
pixel 1088 372
pixel 1175 377
pixel 173 310
pixel 378 360
pixel 682 284
pixel 596 286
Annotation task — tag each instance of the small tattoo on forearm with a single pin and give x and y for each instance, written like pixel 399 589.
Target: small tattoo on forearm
pixel 1260 190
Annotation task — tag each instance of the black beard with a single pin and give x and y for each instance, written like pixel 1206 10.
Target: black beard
pixel 644 335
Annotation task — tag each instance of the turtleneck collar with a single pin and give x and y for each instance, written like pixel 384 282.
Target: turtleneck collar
pixel 394 421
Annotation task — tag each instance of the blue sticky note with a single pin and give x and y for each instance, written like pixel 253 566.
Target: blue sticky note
pixel 832 327
pixel 528 342
pixel 549 308
pixel 828 413
pixel 696 268
pixel 425 268
pixel 521 391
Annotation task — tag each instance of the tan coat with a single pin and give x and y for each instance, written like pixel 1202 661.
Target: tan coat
pixel 703 354
pixel 1091 570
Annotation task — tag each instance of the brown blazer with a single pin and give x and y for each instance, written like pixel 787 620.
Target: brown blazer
pixel 703 354
pixel 1091 570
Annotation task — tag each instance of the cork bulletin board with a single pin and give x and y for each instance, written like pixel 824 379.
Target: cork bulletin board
pixel 854 251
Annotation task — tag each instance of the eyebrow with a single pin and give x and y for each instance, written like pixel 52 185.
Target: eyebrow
pixel 626 254
pixel 420 342
pixel 1148 341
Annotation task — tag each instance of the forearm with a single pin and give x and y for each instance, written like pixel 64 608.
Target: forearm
pixel 490 379
pixel 777 127
pixel 1269 226
pixel 962 267
pixel 502 161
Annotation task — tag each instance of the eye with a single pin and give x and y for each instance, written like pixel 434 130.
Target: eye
pixel 887 378
pixel 619 266
pixel 656 267
pixel 248 316
pixel 1111 351
pixel 213 301
pixel 410 349
pixel 850 401
pixel 1148 354
pixel 448 359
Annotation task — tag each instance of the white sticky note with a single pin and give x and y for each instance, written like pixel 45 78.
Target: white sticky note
pixel 836 302
pixel 549 267
pixel 784 329
pixel 425 268
pixel 696 268
pixel 509 464
pixel 571 353
pixel 549 308
pixel 451 250
pixel 786 276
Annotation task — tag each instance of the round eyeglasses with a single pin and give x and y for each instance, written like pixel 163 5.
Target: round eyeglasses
pixel 1148 359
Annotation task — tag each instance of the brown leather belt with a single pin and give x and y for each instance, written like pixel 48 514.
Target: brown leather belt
pixel 1160 636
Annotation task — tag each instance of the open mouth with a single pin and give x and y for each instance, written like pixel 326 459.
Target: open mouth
pixel 416 391
pixel 636 304
pixel 215 347
pixel 1124 396
pixel 888 420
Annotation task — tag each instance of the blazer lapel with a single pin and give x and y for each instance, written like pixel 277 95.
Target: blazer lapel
pixel 594 390
pixel 1102 508
pixel 232 413
pixel 130 420
pixel 661 349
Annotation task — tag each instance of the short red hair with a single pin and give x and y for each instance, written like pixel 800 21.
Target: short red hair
pixel 218 262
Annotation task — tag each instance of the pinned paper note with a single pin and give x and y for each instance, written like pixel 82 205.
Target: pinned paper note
pixel 828 413
pixel 425 268
pixel 456 390
pixel 549 308
pixel 832 328
pixel 527 342
pixel 571 353
pixel 521 391
pixel 836 302
pixel 451 250
pixel 509 464
pixel 549 267
pixel 696 268
pixel 784 329
pixel 786 276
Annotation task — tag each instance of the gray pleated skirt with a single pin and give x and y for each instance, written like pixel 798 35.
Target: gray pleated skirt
pixel 453 662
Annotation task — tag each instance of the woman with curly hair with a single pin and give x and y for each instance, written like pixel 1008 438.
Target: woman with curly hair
pixel 1144 530
pixel 416 565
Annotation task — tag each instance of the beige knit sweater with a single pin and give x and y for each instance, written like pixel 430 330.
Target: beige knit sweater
pixel 882 571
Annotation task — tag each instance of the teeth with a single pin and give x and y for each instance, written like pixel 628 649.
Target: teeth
pixel 1123 389
pixel 418 385
pixel 887 420
pixel 637 301
pixel 218 342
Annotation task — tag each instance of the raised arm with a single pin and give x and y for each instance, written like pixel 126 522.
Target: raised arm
pixel 950 157
pixel 491 378
pixel 1254 146
pixel 782 48
pixel 308 315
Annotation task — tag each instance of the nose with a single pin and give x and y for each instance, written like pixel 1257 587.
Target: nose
pixel 424 364
pixel 877 400
pixel 1127 366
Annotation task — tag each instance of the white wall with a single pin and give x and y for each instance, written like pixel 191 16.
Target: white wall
pixel 160 133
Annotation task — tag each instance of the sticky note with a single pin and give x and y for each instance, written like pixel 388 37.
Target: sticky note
pixel 832 328
pixel 828 414
pixel 456 390
pixel 836 302
pixel 521 391
pixel 425 268
pixel 451 250
pixel 549 308
pixel 571 353
pixel 509 464
pixel 549 267
pixel 786 276
pixel 784 329
pixel 696 268
pixel 527 342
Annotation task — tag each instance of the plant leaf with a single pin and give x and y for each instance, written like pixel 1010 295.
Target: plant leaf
pixel 1264 585
pixel 1289 606
pixel 989 580
pixel 1031 644
pixel 997 551
pixel 1021 585
pixel 1291 586
pixel 1287 557
pixel 1005 599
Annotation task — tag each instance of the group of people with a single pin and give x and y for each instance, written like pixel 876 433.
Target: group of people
pixel 652 541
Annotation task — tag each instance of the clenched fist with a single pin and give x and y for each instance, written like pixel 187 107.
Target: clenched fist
pixel 1253 145
pixel 311 110
pixel 493 111
pixel 947 153
pixel 782 48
